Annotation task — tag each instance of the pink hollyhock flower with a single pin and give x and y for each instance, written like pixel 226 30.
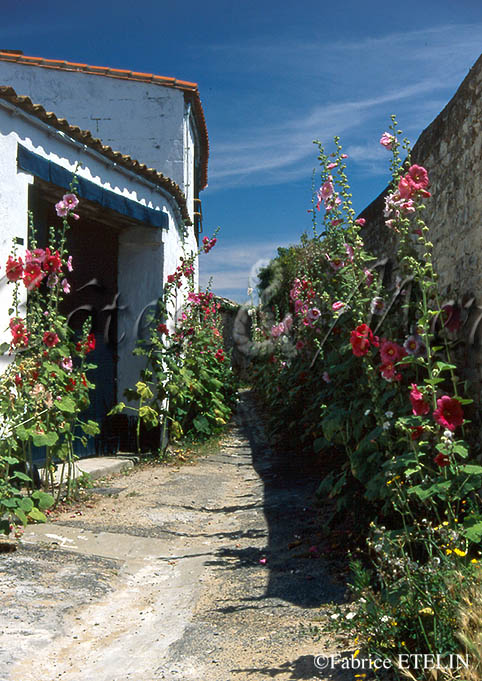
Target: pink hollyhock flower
pixel 67 364
pixel 288 322
pixel 344 156
pixel 52 280
pixel 332 165
pixel 65 286
pixel 350 252
pixel 277 330
pixel 391 352
pixel 360 221
pixel 300 306
pixel 326 190
pixel 335 263
pixel 36 256
pixel 442 460
pixel 69 264
pixel 14 269
pixel 414 345
pixel 387 140
pixel 368 277
pixel 449 412
pixel 62 209
pixel 326 377
pixel 406 188
pixel 194 297
pixel 418 176
pixel 419 406
pixel 334 223
pixel 313 314
pixel 262 561
pixel 71 201
pixel 337 305
pixel 389 372
pixel 377 306
pixel 50 339
pixel 299 345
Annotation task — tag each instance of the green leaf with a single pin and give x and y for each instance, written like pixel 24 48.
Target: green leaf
pixel 4 347
pixel 90 428
pixel 201 424
pixel 67 404
pixel 43 499
pixel 21 476
pixel 21 516
pixel 144 391
pixel 36 514
pixel 25 504
pixel 471 469
pixel 45 439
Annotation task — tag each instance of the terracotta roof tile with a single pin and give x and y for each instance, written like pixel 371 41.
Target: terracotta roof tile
pixel 190 90
pixel 25 103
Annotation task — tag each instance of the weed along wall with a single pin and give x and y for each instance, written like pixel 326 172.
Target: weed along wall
pixel 451 150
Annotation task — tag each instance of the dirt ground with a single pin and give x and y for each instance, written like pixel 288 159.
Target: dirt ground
pixel 206 571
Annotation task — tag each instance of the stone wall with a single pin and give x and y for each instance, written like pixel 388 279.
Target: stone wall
pixel 451 150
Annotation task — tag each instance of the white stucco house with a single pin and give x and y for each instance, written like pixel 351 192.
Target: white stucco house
pixel 142 144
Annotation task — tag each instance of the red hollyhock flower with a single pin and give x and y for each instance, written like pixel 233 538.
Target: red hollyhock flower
pixel 449 412
pixel 90 343
pixel 162 328
pixel 14 269
pixel 70 385
pixel 417 432
pixel 220 355
pixel 50 339
pixel 442 460
pixel 419 176
pixel 419 406
pixel 19 333
pixel 361 339
pixel 18 380
pixel 32 275
pixel 52 261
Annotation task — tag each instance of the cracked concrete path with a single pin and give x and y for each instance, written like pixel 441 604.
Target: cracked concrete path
pixel 160 576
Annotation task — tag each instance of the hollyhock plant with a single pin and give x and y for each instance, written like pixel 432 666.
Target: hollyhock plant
pixel 362 339
pixel 449 412
pixel 50 339
pixel 389 373
pixel 14 268
pixel 387 140
pixel 419 406
pixel 391 352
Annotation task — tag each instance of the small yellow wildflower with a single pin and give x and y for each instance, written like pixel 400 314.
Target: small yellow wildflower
pixel 356 653
pixel 460 553
pixel 474 560
pixel 426 611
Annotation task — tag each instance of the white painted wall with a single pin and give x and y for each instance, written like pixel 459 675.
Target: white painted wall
pixel 146 254
pixel 143 120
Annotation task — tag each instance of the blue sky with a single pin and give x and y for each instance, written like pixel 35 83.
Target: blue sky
pixel 273 76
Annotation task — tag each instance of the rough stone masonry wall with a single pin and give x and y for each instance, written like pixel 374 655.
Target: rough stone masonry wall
pixel 451 150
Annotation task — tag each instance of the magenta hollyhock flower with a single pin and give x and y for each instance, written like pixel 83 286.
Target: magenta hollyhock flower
pixel 391 352
pixel 387 140
pixel 419 406
pixel 350 252
pixel 262 561
pixel 313 314
pixel 299 345
pixel 449 412
pixel 69 264
pixel 337 305
pixel 65 286
pixel 360 221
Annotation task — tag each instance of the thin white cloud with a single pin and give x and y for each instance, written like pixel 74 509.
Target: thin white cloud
pixel 408 72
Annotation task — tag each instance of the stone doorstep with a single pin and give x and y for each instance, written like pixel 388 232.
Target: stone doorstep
pixel 98 467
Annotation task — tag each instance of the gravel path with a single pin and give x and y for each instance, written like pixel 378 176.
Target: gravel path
pixel 202 573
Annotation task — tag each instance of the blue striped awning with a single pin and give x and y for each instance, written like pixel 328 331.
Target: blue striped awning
pixel 55 174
